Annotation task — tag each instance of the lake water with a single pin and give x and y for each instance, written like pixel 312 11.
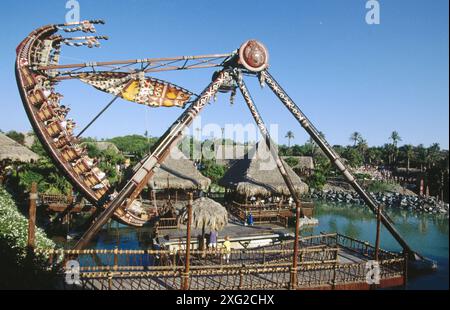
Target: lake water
pixel 426 234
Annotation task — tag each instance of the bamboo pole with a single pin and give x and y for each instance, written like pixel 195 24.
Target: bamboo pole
pixel 188 244
pixel 377 239
pixel 32 217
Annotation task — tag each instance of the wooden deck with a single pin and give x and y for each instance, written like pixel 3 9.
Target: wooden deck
pixel 348 275
pixel 330 261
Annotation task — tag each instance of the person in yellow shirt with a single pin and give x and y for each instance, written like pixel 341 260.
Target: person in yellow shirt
pixel 227 249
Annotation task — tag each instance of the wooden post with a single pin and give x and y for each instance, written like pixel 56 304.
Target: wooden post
pixel 377 240
pixel 188 245
pixel 405 268
pixel 116 258
pixel 296 247
pixel 32 216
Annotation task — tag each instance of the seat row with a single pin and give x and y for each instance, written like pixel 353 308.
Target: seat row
pixel 53 118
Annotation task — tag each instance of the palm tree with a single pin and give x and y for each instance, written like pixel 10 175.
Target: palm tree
pixel 289 136
pixel 433 154
pixel 395 137
pixel 362 147
pixel 355 137
pixel 421 155
pixel 409 153
pixel 313 143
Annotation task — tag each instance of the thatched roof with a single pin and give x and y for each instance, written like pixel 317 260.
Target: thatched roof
pixel 103 146
pixel 228 154
pixel 304 162
pixel 10 149
pixel 178 172
pixel 258 175
pixel 209 213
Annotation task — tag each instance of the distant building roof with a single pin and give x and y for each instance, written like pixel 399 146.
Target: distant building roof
pixel 104 145
pixel 228 154
pixel 304 162
pixel 10 149
pixel 258 174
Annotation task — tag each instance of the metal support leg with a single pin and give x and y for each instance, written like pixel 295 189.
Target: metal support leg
pixel 287 179
pixel 333 157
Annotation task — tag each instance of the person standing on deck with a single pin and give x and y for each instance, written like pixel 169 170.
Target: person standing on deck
pixel 227 249
pixel 250 219
pixel 213 240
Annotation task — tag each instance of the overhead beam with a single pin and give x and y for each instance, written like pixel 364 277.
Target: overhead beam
pixel 131 61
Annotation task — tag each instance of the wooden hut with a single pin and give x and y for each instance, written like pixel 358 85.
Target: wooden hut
pixel 13 151
pixel 172 182
pixel 304 166
pixel 10 152
pixel 255 186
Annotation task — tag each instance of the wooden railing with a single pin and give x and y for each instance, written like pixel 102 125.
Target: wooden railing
pixel 267 213
pixel 261 268
pixel 168 223
pixel 48 199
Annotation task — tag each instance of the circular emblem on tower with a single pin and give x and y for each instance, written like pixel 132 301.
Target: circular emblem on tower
pixel 254 56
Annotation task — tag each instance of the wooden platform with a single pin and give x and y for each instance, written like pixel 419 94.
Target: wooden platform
pixel 329 261
pixel 348 275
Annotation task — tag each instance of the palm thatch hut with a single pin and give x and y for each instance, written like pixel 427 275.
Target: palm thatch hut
pixel 176 177
pixel 254 186
pixel 13 151
pixel 257 175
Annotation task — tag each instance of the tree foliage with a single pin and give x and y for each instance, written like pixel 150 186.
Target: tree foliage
pixel 16 136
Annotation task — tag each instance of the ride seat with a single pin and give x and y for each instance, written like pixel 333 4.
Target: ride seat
pixel 36 97
pixel 28 79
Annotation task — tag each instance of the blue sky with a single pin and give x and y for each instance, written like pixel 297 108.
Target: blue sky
pixel 346 75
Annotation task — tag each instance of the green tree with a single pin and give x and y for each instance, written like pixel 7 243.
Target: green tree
pixel 433 155
pixel 408 153
pixel 353 157
pixel 374 156
pixel 395 137
pixel 355 137
pixel 289 136
pixel 213 170
pixel 16 136
pixel 291 161
pixel 421 156
pixel 362 147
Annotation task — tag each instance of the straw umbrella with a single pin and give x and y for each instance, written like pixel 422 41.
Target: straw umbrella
pixel 207 213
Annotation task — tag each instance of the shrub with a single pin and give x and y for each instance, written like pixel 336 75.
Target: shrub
pixel 380 186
